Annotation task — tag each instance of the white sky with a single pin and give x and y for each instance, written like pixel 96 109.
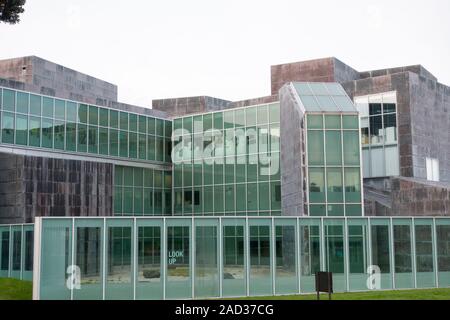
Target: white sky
pixel 174 48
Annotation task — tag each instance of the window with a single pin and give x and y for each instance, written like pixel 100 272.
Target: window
pixel 432 169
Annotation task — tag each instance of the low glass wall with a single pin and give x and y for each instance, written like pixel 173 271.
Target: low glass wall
pixel 16 251
pixel 211 257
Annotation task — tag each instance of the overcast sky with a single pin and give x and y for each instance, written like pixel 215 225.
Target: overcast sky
pixel 174 48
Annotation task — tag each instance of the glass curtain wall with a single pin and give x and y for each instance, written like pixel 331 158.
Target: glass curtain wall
pixel 142 192
pixel 45 122
pixel 334 179
pixel 228 163
pixel 379 134
pixel 184 258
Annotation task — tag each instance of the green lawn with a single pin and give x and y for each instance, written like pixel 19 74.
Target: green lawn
pixel 417 294
pixel 11 289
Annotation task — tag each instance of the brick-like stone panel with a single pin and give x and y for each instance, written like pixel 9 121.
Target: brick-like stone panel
pixel 36 186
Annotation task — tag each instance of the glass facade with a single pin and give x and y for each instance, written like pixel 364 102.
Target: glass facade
pixel 180 258
pixel 142 191
pixel 48 123
pixel 379 134
pixel 228 163
pixel 333 167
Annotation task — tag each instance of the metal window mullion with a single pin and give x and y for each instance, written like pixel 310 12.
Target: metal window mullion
pixel 325 177
pixel 297 252
pixel 193 260
pixel 10 253
pixel 73 255
pixel 435 255
pixel 346 253
pixel 104 259
pixel 135 258
pixel 369 243
pixel 247 252
pixel 164 257
pixel 391 242
pixel 273 253
pixel 322 241
pixel 220 258
pixel 413 251
pixel 22 252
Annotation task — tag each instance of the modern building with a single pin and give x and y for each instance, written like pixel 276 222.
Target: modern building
pixel 203 197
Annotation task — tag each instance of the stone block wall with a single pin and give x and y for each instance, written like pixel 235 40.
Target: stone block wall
pixel 46 77
pixel 292 153
pixel 36 186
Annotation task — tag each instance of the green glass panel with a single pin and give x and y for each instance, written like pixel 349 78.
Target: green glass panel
pixel 142 124
pixel 123 120
pixel 240 169
pixel 60 130
pixel 351 147
pixel 317 210
pixel 352 185
pixel 353 210
pixel 93 136
pixel 82 138
pixel 334 185
pixel 133 145
pixel 35 105
pixel 229 198
pixel 142 146
pixel 335 210
pixel 114 119
pixel 241 201
pixel 151 148
pixel 71 108
pixel 250 116
pixel 187 175
pixel 252 168
pixel 148 178
pixel 167 179
pixel 218 199
pixel 333 147
pixel 157 179
pixel 274 113
pixel 123 144
pixel 168 129
pixel 218 120
pixel 151 126
pixel 47 107
pixel 71 137
pixel 264 196
pixel 252 196
pixel 315 147
pixel 35 132
pixel 133 122
pixel 218 173
pixel 285 258
pixel 159 148
pixel 118 175
pixel 350 122
pixel 113 142
pixel 103 116
pixel 315 121
pixel 159 127
pixel 138 201
pixel 82 113
pixel 22 102
pixel 187 125
pixel 103 141
pixel 239 118
pixel 260 258
pixel 60 109
pixel 7 127
pixel 128 176
pixel 275 195
pixel 47 133
pixel 148 201
pixel 207 121
pixel 118 200
pixel 128 200
pixel 228 119
pixel 21 129
pixel 332 121
pixel 262 115
pixel 316 185
pixel 9 100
